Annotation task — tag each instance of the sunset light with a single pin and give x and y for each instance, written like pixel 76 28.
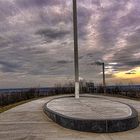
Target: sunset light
pixel 130 74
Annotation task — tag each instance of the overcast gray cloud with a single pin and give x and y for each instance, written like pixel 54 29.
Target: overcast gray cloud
pixel 36 39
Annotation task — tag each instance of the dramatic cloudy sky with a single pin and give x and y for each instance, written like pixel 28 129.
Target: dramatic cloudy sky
pixel 36 41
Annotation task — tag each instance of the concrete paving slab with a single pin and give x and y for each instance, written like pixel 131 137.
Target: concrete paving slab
pixel 42 128
pixel 89 108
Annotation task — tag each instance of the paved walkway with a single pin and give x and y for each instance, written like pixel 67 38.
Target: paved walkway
pixel 28 122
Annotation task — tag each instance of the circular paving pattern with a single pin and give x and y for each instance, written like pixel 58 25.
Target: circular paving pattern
pixel 91 114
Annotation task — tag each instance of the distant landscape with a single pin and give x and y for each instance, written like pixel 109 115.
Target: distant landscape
pixel 13 95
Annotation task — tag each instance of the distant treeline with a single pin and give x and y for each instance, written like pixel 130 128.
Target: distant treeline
pixel 128 91
pixel 86 87
pixel 13 97
pixel 132 91
pixel 7 98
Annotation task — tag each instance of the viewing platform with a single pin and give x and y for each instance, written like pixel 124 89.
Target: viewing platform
pixel 91 114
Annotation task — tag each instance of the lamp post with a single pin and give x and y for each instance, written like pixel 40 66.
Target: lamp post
pixel 76 64
pixel 104 84
pixel 103 69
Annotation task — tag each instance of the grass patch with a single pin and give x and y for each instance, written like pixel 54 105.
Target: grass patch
pixel 7 107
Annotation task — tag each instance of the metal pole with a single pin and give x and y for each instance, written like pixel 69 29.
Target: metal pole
pixel 104 84
pixel 75 49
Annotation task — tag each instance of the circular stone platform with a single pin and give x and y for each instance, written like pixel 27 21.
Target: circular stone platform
pixel 93 114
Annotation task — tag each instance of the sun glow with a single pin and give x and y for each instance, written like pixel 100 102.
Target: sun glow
pixel 130 74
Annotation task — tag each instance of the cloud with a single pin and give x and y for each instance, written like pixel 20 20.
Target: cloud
pixel 63 62
pixel 36 3
pixel 9 67
pixel 52 33
pixel 131 72
pixel 36 39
